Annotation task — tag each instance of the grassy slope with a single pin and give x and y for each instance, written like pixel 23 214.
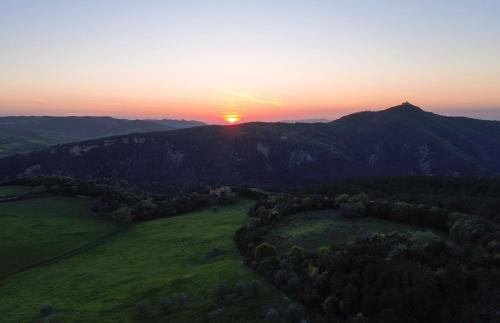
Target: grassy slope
pixel 14 190
pixel 324 228
pixel 152 260
pixel 37 229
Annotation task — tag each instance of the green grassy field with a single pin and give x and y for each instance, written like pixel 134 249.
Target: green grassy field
pixel 325 228
pixel 152 260
pixel 14 190
pixel 37 229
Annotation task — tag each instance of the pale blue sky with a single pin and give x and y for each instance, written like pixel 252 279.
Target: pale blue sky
pixel 185 58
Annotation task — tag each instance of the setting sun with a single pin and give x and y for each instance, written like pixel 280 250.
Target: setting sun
pixel 232 118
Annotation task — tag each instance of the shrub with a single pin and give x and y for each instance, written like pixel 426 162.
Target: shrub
pixel 341 199
pixel 140 308
pixel 256 287
pixel 293 283
pixel 46 310
pixel 402 211
pixel 296 255
pixel 426 240
pixel 122 217
pixel 437 217
pixel 265 251
pixel 280 277
pixel 468 228
pixel 221 292
pixel 40 189
pixel 331 307
pixel 295 312
pixel 359 318
pixel 165 303
pixel 272 315
pixel 239 289
pixel 353 209
pixel 182 298
pixel 214 253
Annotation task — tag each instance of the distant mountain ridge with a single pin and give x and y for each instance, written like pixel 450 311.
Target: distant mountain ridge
pixel 403 140
pixel 178 124
pixel 24 134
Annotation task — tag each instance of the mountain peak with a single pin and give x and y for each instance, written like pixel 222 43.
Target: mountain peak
pixel 406 107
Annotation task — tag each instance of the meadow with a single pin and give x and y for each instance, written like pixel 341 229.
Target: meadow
pixel 38 229
pixel 150 261
pixel 14 190
pixel 325 228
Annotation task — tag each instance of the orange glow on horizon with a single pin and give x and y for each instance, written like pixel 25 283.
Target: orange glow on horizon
pixel 232 118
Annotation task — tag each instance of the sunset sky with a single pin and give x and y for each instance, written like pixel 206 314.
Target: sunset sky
pixel 264 60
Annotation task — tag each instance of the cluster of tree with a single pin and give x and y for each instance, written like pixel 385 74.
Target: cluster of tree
pixel 384 278
pixel 480 196
pixel 395 277
pixel 462 228
pixel 274 207
pixel 125 204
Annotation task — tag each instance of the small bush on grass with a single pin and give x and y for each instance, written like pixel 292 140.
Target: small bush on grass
pixel 214 253
pixel 165 304
pixel 221 292
pixel 272 315
pixel 140 308
pixel 295 312
pixel 46 310
pixel 256 287
pixel 239 289
pixel 182 298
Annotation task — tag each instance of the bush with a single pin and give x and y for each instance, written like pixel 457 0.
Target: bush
pixel 296 255
pixel 40 189
pixel 221 292
pixel 165 303
pixel 182 298
pixel 122 217
pixel 214 253
pixel 256 287
pixel 272 315
pixel 46 310
pixel 353 209
pixel 140 308
pixel 341 199
pixel 295 312
pixel 239 289
pixel 280 277
pixel 265 251
pixel 331 307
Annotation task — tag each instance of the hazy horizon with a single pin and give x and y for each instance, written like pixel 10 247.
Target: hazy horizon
pixel 482 114
pixel 268 61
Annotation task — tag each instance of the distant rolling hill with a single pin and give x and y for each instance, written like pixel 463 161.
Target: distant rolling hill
pixel 24 134
pixel 403 140
pixel 178 124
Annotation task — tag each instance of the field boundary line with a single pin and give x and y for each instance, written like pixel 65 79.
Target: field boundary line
pixel 65 255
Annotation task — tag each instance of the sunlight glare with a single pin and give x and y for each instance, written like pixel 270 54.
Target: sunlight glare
pixel 232 118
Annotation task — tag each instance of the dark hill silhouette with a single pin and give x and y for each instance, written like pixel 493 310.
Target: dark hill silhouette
pixel 403 140
pixel 25 134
